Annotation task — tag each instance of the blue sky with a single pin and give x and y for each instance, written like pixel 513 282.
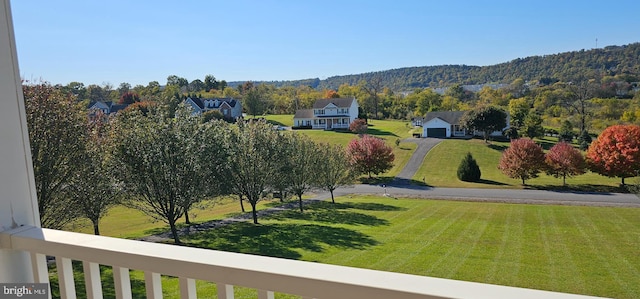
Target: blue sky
pixel 116 41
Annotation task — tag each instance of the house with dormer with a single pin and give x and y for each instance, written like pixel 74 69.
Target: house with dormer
pixel 328 114
pixel 229 107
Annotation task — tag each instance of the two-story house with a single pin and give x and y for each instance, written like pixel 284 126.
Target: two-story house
pixel 328 114
pixel 229 107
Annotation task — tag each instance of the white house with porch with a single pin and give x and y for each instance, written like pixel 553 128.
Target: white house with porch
pixel 328 114
pixel 25 245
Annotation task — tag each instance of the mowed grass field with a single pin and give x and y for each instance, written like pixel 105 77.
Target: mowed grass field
pixel 440 166
pixel 574 249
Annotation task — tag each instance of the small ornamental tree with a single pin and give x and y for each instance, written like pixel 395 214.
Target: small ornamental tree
pixel 468 170
pixel 584 140
pixel 358 126
pixel 563 160
pixel 566 132
pixel 369 155
pixel 616 152
pixel 523 159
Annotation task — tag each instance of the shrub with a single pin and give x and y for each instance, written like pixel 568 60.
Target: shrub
pixel 468 170
pixel 358 126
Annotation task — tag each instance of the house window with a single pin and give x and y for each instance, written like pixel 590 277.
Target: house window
pixel 322 121
pixel 315 121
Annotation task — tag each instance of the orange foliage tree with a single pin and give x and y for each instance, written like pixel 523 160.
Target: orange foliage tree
pixel 616 152
pixel 563 160
pixel 524 159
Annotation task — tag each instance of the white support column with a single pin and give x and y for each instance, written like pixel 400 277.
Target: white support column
pixel 225 291
pixel 262 294
pixel 122 283
pixel 92 280
pixel 187 288
pixel 153 285
pixel 18 201
pixel 65 278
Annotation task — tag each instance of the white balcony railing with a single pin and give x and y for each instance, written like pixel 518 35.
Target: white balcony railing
pixel 267 275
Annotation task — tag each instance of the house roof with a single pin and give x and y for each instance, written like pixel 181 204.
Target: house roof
pixel 452 117
pixel 339 102
pixel 212 103
pixel 304 113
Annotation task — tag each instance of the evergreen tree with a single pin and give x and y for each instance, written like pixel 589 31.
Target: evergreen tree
pixel 468 170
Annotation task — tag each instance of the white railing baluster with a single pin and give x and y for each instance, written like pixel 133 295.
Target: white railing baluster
pixel 40 269
pixel 153 284
pixel 187 288
pixel 122 283
pixel 92 280
pixel 262 294
pixel 65 278
pixel 225 291
pixel 227 270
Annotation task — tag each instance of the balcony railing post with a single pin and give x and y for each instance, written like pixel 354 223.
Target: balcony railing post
pixel 18 201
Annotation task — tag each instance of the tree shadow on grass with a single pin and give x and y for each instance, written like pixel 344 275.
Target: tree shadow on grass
pixel 580 188
pixel 497 147
pixel 376 132
pixel 337 213
pixel 490 182
pixel 278 240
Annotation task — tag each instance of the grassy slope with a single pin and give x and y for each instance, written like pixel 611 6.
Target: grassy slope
pixel 586 250
pixel 440 167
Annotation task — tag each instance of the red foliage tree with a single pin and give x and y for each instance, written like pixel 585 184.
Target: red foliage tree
pixel 369 155
pixel 563 160
pixel 616 152
pixel 358 126
pixel 524 159
pixel 129 98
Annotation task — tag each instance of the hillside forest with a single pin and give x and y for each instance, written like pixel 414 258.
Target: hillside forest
pixel 591 89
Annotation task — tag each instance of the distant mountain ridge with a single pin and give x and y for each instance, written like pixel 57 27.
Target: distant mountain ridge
pixel 568 66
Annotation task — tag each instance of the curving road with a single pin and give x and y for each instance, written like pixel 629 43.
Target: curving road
pixel 401 187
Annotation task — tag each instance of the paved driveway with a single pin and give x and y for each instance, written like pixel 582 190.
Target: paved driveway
pixel 409 170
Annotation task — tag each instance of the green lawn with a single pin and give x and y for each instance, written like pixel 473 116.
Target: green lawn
pixel 441 164
pixel 586 250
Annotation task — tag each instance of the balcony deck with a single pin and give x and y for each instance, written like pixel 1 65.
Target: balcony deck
pixel 226 269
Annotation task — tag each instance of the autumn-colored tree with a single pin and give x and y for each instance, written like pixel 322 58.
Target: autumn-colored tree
pixel 358 126
pixel 563 160
pixel 331 94
pixel 523 159
pixel 616 152
pixel 370 155
pixel 129 98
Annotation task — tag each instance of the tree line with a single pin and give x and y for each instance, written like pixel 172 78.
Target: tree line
pixel 163 159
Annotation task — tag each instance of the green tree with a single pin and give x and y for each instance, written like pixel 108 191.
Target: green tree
pixel 518 111
pixel 94 188
pixel 566 133
pixel 167 164
pixel 486 119
pixel 333 171
pixel 252 99
pixel 468 170
pixel 253 155
pixel 304 158
pixel 532 126
pixel 210 83
pixel 427 101
pixel 56 136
